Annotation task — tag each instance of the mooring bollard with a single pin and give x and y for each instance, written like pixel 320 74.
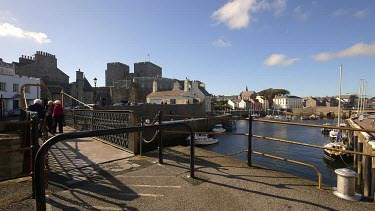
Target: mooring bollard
pixel 346 185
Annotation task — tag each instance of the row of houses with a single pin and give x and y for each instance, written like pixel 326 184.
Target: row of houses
pixel 249 100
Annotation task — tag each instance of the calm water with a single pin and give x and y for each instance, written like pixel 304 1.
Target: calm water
pixel 310 135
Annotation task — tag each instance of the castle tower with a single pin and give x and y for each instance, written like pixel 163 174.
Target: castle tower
pixel 147 69
pixel 116 71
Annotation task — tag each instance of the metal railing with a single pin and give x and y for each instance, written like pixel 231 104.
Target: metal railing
pixel 108 119
pixel 250 135
pixel 42 152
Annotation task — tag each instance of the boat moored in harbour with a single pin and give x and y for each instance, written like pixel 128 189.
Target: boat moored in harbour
pixel 204 139
pixel 218 128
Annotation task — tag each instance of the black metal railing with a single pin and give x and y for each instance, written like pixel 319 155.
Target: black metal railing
pixel 99 120
pixel 42 152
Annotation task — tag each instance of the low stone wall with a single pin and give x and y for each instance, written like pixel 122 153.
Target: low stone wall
pixel 321 111
pixel 11 163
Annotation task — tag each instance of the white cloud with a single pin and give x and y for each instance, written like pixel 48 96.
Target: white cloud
pixel 361 13
pixel 339 12
pixel 279 60
pixel 221 43
pixel 300 14
pixel 9 30
pixel 237 14
pixel 359 49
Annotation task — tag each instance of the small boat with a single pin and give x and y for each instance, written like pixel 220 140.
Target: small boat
pixel 326 130
pixel 313 117
pixel 337 140
pixel 218 128
pixel 304 118
pixel 333 155
pixel 204 139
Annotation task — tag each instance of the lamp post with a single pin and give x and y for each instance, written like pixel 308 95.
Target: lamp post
pixel 95 81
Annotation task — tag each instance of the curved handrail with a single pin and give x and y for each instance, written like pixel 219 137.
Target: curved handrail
pixel 40 197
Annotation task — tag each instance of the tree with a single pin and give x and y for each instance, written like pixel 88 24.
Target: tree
pixel 270 93
pixel 220 105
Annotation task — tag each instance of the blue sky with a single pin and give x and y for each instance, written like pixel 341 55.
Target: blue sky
pixel 289 44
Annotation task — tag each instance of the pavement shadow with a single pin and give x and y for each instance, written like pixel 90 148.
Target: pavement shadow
pixel 75 182
pixel 182 160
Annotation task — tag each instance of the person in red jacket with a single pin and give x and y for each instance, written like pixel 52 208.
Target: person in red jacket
pixel 58 116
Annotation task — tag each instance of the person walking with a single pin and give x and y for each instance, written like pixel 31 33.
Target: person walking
pixel 37 107
pixel 49 112
pixel 58 116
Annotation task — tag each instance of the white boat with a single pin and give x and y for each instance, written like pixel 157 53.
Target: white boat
pixel 335 135
pixel 204 139
pixel 218 128
pixel 334 155
pixel 326 130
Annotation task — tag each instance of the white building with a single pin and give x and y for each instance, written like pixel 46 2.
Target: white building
pixel 193 93
pixel 287 102
pixel 263 101
pixel 10 85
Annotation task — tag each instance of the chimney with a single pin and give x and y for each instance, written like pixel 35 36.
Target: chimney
pixel 79 75
pixel 154 86
pixel 176 86
pixel 186 85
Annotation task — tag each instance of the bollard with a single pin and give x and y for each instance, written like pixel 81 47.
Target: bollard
pixel 346 185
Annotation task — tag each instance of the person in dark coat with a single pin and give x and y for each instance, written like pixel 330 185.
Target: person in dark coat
pixel 37 107
pixel 49 112
pixel 58 116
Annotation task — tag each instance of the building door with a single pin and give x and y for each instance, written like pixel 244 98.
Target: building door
pixel 16 104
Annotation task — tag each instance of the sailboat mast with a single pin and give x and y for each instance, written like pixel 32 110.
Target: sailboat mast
pixel 339 109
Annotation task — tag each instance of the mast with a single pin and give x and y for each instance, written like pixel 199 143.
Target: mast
pixel 339 109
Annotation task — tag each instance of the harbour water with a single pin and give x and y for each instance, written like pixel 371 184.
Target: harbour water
pixel 310 135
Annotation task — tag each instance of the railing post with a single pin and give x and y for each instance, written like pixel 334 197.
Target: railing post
pixel 355 144
pixel 140 139
pixel 34 149
pixel 360 158
pixel 249 139
pixel 160 141
pixel 367 177
pixel 92 120
pixel 192 152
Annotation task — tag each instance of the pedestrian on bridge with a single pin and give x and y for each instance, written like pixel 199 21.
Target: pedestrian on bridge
pixel 58 116
pixel 49 112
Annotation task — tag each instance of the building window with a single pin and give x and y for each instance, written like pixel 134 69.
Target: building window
pixel 27 89
pixel 16 87
pixel 2 86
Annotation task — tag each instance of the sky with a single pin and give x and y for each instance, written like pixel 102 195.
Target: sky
pixel 227 44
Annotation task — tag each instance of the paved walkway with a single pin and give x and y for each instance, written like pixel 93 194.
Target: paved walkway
pixel 117 181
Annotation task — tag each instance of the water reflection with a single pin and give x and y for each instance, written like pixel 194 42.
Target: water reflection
pixel 310 135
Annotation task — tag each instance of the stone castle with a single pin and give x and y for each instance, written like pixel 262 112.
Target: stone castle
pixel 121 86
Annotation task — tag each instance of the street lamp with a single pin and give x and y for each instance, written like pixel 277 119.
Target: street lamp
pixel 95 81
